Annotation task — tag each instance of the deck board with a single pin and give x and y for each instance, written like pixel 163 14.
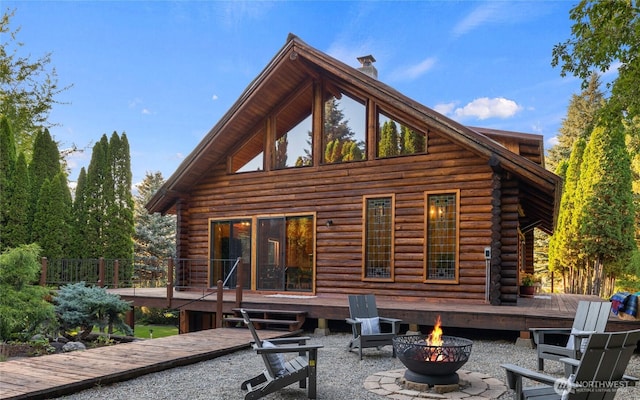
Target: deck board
pixel 58 374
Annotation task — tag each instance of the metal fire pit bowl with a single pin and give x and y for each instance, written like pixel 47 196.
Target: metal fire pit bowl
pixel 432 364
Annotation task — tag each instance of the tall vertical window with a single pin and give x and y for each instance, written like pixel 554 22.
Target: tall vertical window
pixel 442 236
pixel 285 253
pixel 378 240
pixel 230 240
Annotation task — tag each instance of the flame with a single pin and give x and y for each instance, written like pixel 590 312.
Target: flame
pixel 435 337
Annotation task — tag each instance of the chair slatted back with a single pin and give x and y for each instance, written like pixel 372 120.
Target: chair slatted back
pixel 363 306
pixel 605 361
pixel 592 316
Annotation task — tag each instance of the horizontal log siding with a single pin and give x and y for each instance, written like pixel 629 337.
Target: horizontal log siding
pixel 336 191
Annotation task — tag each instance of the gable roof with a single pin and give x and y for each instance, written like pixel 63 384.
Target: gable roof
pixel 294 65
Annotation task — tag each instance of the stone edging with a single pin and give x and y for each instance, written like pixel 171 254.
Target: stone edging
pixel 474 386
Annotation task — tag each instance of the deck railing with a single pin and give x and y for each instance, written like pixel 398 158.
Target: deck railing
pixel 179 273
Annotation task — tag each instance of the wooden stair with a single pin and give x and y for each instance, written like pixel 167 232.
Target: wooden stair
pixel 268 319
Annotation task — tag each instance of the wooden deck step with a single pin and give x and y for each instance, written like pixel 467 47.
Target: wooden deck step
pixel 292 320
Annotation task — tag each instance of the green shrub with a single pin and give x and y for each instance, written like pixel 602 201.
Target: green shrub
pixel 24 309
pixel 84 307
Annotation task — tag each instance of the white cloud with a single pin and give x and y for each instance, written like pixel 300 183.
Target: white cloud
pixel 445 108
pixel 553 141
pixel 146 111
pixel 414 71
pixel 479 16
pixel 214 97
pixel 484 108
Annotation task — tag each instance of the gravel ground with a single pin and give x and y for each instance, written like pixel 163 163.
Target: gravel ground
pixel 340 373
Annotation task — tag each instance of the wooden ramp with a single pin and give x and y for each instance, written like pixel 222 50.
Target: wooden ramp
pixel 59 374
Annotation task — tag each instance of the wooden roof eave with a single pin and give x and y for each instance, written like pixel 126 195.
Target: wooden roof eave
pixel 181 179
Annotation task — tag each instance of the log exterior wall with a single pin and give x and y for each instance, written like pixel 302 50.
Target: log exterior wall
pixel 488 218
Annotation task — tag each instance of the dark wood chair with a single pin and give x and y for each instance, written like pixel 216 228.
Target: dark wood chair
pixel 591 317
pixel 279 372
pixel 597 375
pixel 369 329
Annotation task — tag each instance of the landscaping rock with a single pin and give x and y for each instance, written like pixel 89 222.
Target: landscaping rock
pixel 73 346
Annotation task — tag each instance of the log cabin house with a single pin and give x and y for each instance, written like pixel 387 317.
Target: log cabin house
pixel 323 180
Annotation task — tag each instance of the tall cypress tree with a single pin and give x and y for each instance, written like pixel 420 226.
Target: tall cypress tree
pixel 99 191
pixel 52 219
pixel 120 226
pixel 605 206
pixel 7 167
pixel 80 248
pixel 16 231
pixel 388 145
pixel 564 244
pixel 45 164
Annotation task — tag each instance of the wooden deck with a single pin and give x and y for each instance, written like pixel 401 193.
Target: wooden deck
pixel 545 310
pixel 59 374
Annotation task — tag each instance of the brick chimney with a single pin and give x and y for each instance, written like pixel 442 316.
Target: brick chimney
pixel 367 66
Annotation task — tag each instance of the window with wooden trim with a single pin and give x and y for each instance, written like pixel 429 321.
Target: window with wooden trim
pixel 344 129
pixel 397 139
pixel 442 236
pixel 378 237
pixel 250 157
pixel 294 138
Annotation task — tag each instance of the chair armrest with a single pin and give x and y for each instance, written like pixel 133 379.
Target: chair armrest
pixel 289 349
pixel 353 321
pixel 394 322
pixel 515 372
pixel 538 333
pixel 290 340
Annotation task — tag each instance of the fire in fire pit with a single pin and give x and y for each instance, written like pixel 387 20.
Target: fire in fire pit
pixel 432 359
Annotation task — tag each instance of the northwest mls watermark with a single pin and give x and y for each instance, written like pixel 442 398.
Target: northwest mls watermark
pixel 565 386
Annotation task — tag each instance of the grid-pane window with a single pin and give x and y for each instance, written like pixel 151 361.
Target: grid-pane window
pixel 441 236
pixel 378 237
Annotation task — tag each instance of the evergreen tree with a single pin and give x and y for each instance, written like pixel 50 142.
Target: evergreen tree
pixel 579 123
pixel 155 234
pixel 81 248
pixel 7 167
pixel 15 231
pixel 336 131
pixel 98 194
pixel 412 142
pixel 564 244
pixel 605 213
pixel 44 165
pixel 388 145
pixel 119 229
pixel 52 228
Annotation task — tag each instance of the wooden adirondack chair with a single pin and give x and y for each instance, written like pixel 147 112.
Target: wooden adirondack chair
pixel 369 329
pixel 591 317
pixel 280 373
pixel 598 373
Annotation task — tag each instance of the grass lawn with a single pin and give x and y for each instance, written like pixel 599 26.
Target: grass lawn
pixel 145 331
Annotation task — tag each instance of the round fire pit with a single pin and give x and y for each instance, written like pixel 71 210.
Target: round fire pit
pixel 429 364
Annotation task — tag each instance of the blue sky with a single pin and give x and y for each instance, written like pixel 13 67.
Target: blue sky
pixel 164 72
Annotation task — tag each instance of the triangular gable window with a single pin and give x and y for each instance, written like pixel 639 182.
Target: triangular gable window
pixel 250 157
pixel 293 144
